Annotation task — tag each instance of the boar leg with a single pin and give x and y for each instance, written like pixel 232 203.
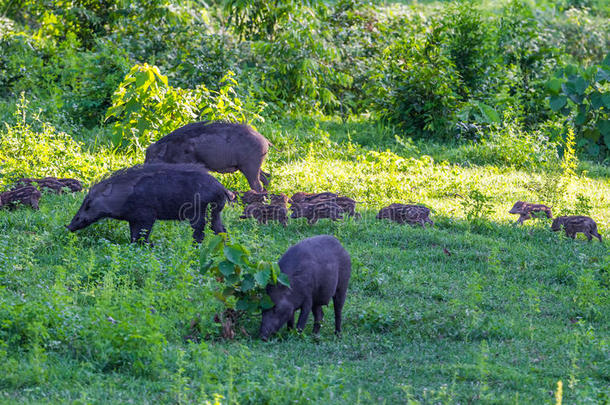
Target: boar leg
pixel 252 173
pixel 318 316
pixel 290 324
pixel 264 177
pixel 217 225
pixel 588 235
pixel 305 310
pixel 338 301
pixel 140 230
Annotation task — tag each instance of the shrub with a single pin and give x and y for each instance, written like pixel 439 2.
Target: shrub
pixel 415 87
pixel 583 95
pixel 146 107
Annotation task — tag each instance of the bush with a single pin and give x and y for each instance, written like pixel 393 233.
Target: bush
pixel 28 152
pixel 145 107
pixel 416 86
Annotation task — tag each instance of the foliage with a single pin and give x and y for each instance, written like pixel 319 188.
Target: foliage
pixel 415 86
pixel 29 152
pixel 259 19
pixel 242 281
pixel 145 107
pixel 477 205
pixel 584 96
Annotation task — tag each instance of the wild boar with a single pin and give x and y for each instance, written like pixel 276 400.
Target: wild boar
pixel 278 199
pixel 525 210
pixel 251 196
pixel 221 147
pixel 143 194
pixel 311 197
pixel 318 269
pixel 406 213
pixel 313 212
pixel 28 195
pixel 264 213
pixel 574 224
pixel 52 184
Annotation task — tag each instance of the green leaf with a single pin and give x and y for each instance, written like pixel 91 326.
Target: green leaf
pixel 228 291
pixel 226 268
pixel 580 85
pixel 606 61
pixel 243 304
pixel 235 253
pixel 282 278
pixel 489 114
pixel 597 100
pixel 266 302
pixel 606 98
pixel 557 102
pixel 604 127
pixel 607 140
pixel 591 134
pixel 204 265
pixel 570 70
pixel 593 149
pixel 603 75
pixel 247 283
pixel 581 117
pixel 212 245
pixel 262 277
pixel 554 85
pixel 232 279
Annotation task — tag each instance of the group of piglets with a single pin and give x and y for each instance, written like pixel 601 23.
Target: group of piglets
pixel 406 213
pixel 313 206
pixel 571 224
pixel 26 191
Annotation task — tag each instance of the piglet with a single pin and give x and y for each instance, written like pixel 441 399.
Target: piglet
pixel 318 269
pixel 574 224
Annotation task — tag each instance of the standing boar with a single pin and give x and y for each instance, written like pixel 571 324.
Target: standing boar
pixel 574 224
pixel 314 212
pixel 221 147
pixel 525 210
pixel 318 269
pixel 143 194
pixel 28 195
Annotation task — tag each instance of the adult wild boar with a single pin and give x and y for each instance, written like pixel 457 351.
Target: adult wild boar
pixel 221 147
pixel 318 269
pixel 143 194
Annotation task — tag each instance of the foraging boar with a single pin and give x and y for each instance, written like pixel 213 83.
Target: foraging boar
pixel 52 184
pixel 406 213
pixel 251 196
pixel 279 199
pixel 221 147
pixel 143 194
pixel 313 212
pixel 525 210
pixel 574 224
pixel 318 269
pixel 301 197
pixel 263 213
pixel 28 195
pixel 347 204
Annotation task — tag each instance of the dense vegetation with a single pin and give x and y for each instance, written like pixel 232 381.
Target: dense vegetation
pixel 465 107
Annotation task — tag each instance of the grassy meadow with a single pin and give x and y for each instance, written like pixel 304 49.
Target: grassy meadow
pixel 475 310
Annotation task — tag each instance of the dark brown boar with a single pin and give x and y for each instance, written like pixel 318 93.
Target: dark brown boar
pixel 52 184
pixel 264 213
pixel 27 195
pixel 318 269
pixel 574 224
pixel 301 197
pixel 143 194
pixel 314 212
pixel 525 210
pixel 406 213
pixel 278 199
pixel 251 196
pixel 221 147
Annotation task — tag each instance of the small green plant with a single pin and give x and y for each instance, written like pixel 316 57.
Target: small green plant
pixel 242 282
pixel 477 205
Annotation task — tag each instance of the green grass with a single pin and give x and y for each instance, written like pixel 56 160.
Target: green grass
pixel 481 311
